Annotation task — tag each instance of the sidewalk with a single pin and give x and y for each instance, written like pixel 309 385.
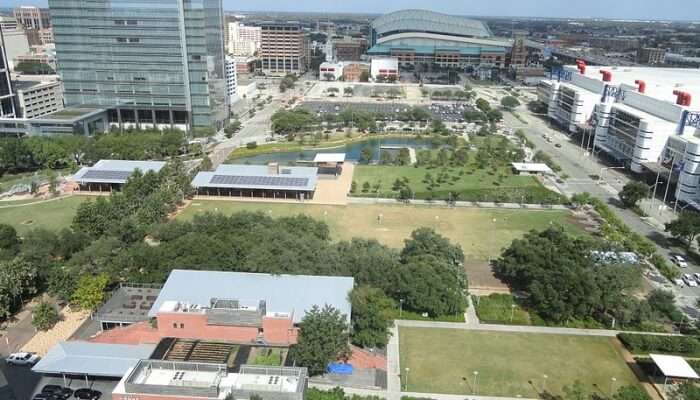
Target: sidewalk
pixel 460 204
pixel 19 330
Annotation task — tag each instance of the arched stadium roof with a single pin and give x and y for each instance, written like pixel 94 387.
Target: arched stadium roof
pixel 429 21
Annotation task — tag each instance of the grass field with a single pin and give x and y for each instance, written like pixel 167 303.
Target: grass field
pixel 482 233
pixel 51 215
pixel 477 186
pixel 499 308
pixel 508 364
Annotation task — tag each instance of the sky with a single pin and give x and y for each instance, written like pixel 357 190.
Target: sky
pixel 627 9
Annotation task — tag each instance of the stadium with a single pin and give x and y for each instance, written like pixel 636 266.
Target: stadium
pixel 424 37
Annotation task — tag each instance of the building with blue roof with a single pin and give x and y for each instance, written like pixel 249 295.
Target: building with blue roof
pixel 425 37
pixel 264 181
pixel 111 175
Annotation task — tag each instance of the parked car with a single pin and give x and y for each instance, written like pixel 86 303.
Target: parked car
pixel 22 359
pixel 87 394
pixel 679 260
pixel 696 276
pixel 679 282
pixel 689 280
pixel 57 392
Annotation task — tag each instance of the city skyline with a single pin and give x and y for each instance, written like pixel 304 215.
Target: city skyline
pixel 619 9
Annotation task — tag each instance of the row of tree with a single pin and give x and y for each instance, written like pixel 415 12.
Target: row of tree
pixel 54 152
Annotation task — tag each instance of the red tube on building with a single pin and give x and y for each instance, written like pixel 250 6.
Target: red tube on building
pixel 641 85
pixel 682 98
pixel 607 75
pixel 581 65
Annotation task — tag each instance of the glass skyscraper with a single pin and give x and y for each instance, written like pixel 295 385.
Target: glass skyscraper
pixel 151 62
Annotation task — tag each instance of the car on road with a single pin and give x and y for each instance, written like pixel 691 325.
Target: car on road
pixel 679 260
pixel 22 359
pixel 87 394
pixel 696 276
pixel 689 280
pixel 558 145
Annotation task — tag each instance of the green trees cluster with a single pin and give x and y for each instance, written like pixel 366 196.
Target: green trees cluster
pixel 44 316
pixel 292 122
pixel 288 82
pixel 563 282
pixel 638 343
pixel 686 227
pixel 18 279
pixel 510 102
pixel 323 338
pixel 63 151
pixel 144 200
pixel 632 193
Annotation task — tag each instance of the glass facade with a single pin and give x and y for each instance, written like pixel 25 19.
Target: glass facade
pixel 151 57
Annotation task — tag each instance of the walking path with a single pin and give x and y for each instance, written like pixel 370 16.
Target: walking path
pixel 461 204
pixel 519 328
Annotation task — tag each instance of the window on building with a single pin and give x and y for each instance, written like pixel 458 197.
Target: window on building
pixel 121 40
pixel 134 40
pixel 182 326
pixel 175 325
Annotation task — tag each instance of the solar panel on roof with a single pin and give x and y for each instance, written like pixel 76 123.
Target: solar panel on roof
pixel 107 175
pixel 239 180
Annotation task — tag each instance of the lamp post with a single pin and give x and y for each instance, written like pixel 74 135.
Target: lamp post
pixel 401 307
pixel 476 382
pixel 406 382
pixel 512 312
pixel 612 385
pixel 544 383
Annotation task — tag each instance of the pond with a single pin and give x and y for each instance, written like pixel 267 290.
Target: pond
pixel 352 151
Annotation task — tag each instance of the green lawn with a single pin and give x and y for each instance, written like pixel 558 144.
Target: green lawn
pixel 482 233
pixel 500 309
pixel 52 215
pixel 267 356
pixel 470 183
pixel 508 364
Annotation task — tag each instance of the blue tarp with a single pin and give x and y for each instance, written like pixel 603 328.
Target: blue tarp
pixel 339 369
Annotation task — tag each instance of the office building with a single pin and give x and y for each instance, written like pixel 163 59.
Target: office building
pixel 615 43
pixel 231 80
pixel 38 95
pixel 640 117
pixel 31 17
pixel 7 94
pixel 46 36
pixel 355 71
pixel 243 41
pixel 40 54
pixel 328 71
pixel 429 38
pixel 284 49
pixel 154 63
pixel 157 380
pixel 8 23
pixel 384 69
pixel 518 53
pixel 16 44
pixel 348 49
pixel 651 56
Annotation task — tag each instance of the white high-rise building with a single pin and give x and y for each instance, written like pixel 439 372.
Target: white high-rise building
pixel 231 79
pixel 243 40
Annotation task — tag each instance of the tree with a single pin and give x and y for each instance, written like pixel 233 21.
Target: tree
pixel 686 227
pixel 427 241
pixel 371 316
pixel 90 291
pixel 9 242
pixel 483 105
pixel 348 91
pixel 432 285
pixel 323 338
pixel 44 316
pixel 206 164
pixel 366 154
pixel 630 392
pixel 686 391
pixel 494 115
pixel 34 68
pixel 663 302
pixel 510 102
pixel 632 193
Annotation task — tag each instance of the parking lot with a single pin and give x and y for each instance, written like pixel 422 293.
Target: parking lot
pixel 104 386
pixel 445 112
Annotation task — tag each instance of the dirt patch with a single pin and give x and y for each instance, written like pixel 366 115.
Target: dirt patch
pixel 482 278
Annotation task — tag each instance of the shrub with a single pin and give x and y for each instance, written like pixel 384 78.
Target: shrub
pixel 636 343
pixel 45 316
pixel 251 145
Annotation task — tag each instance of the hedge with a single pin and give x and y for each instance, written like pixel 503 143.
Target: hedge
pixel 639 344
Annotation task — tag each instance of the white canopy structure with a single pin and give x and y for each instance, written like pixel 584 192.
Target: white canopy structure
pixel 329 158
pixel 674 366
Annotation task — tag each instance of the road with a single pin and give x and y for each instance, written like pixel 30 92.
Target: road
pixel 580 168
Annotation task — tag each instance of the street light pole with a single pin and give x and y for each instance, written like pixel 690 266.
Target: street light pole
pixel 512 312
pixel 544 383
pixel 476 388
pixel 400 307
pixel 612 385
pixel 405 388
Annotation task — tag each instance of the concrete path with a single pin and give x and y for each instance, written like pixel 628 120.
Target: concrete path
pixel 393 365
pixel 520 328
pixel 470 317
pixel 461 204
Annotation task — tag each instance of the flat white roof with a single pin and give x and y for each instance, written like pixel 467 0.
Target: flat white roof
pixel 674 366
pixel 329 157
pixel 532 167
pixel 661 82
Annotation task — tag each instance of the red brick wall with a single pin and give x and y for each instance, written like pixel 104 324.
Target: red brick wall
pixel 194 326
